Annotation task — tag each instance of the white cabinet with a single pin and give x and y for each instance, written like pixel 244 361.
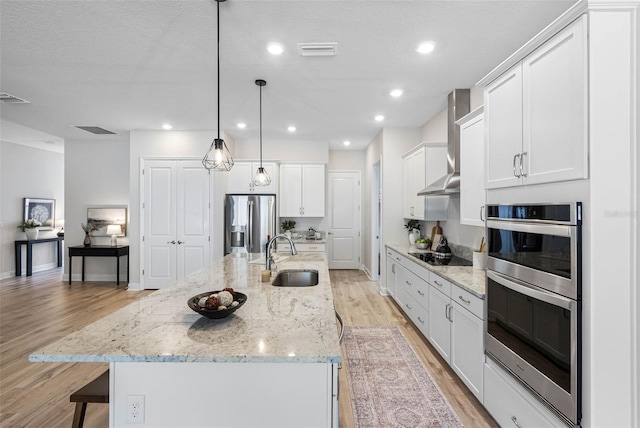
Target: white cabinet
pixel 302 190
pixel 284 246
pixel 510 404
pixel 472 193
pixel 393 261
pixel 411 282
pixel 536 115
pixel 422 166
pixel 242 174
pixel 456 330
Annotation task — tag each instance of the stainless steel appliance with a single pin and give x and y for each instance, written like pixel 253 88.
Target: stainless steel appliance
pixel 533 300
pixel 250 221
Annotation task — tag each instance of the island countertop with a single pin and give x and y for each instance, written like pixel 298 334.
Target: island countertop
pixel 276 324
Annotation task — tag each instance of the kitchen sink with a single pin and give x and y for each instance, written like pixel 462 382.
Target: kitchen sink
pixel 296 278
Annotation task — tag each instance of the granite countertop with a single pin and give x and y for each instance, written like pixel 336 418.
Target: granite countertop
pixel 472 280
pixel 303 240
pixel 276 324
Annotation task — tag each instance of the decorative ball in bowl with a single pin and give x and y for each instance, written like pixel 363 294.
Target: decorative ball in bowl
pixel 217 304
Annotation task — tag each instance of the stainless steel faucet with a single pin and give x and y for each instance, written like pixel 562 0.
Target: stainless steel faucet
pixel 268 255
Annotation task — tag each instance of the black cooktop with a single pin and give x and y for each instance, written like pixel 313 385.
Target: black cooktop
pixel 428 257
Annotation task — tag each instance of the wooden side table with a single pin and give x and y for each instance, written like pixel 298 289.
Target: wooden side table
pixel 30 243
pixel 99 251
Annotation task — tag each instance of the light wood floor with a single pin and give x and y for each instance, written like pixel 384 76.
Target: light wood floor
pixel 37 310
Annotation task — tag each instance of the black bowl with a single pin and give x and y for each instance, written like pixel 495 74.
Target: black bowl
pixel 215 313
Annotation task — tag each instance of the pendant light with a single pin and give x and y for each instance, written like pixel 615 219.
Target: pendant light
pixel 262 178
pixel 218 157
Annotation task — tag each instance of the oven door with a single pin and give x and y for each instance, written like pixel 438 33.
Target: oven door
pixel 542 254
pixel 534 334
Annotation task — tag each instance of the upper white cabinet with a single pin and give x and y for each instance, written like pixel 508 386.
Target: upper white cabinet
pixel 472 193
pixel 302 190
pixel 422 166
pixel 536 115
pixel 242 174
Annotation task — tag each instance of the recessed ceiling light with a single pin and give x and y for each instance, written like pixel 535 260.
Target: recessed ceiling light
pixel 426 47
pixel 347 143
pixel 167 126
pixel 291 128
pixel 379 118
pixel 275 48
pixel 241 125
pixel 396 93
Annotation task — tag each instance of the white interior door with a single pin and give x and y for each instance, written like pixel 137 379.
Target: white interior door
pixel 343 241
pixel 176 221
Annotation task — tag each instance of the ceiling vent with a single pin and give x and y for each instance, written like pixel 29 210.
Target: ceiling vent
pixel 94 129
pixel 10 99
pixel 318 49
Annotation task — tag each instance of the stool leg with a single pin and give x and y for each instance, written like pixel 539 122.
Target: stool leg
pixel 78 415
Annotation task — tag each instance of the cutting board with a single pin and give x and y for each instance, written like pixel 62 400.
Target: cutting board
pixel 436 230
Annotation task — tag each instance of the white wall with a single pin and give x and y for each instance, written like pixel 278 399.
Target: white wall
pixel 347 160
pixel 96 174
pixel 284 151
pixel 32 173
pixel 373 155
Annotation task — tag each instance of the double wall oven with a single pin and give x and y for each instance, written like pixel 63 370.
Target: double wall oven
pixel 533 300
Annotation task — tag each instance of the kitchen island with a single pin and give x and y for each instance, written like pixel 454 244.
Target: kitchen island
pixel 272 363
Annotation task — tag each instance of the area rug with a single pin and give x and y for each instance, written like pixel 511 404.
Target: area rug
pixel 389 385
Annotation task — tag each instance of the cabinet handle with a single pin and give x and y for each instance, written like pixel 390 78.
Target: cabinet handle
pixel 421 293
pixel 171 242
pixel 393 268
pixel 408 283
pixel 446 311
pixel 421 320
pixel 437 283
pixel 407 305
pixel 450 313
pixel 515 421
pixel 468 302
pixel 522 164
pixel 482 213
pixel 516 156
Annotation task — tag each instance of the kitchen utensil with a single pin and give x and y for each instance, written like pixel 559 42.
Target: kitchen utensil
pixel 436 241
pixel 436 230
pixel 482 245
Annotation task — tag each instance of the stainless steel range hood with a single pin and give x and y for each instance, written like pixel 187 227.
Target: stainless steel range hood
pixel 458 106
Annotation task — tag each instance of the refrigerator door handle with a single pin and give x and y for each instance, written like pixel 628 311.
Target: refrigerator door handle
pixel 249 225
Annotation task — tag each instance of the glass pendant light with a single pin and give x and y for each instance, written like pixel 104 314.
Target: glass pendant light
pixel 262 178
pixel 218 157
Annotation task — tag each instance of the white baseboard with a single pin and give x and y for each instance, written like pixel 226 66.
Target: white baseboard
pixel 9 274
pixel 367 272
pixel 77 277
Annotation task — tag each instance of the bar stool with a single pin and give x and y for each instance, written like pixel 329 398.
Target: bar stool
pixel 96 391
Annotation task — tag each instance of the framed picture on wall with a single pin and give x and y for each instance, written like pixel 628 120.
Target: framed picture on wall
pixel 41 210
pixel 99 220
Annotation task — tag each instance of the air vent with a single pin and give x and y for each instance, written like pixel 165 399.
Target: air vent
pixel 10 99
pixel 94 129
pixel 318 49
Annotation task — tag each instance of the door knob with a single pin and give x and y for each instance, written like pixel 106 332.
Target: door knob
pixel 181 242
pixel 171 242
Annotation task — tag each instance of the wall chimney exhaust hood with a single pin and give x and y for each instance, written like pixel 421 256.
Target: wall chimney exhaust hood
pixel 458 105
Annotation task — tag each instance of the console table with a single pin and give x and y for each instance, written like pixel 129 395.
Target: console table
pixel 29 243
pixel 100 251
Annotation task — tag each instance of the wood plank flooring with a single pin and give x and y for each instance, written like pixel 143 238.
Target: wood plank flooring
pixel 40 309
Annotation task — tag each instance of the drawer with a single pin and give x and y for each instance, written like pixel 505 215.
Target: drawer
pixel 441 284
pixel 395 256
pixel 511 405
pixel 306 248
pixel 416 313
pixel 418 270
pixel 414 287
pixel 468 301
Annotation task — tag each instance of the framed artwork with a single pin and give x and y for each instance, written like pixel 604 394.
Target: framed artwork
pixel 99 219
pixel 42 210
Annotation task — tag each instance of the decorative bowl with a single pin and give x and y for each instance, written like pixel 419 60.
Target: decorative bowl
pixel 216 313
pixel 422 245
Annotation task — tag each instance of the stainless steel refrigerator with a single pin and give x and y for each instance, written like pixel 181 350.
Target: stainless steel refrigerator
pixel 250 220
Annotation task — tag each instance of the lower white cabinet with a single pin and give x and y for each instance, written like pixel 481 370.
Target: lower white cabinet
pixel 510 404
pixel 456 330
pixel 301 248
pixel 393 261
pixel 414 293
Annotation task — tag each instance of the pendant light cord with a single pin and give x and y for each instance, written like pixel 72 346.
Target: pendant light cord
pixel 218 40
pixel 260 126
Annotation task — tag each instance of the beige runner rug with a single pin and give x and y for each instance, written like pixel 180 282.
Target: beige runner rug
pixel 389 385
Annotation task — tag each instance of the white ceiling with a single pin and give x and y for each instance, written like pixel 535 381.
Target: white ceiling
pixel 136 64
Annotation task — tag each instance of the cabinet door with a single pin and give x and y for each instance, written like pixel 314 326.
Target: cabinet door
pixel 439 324
pixel 467 348
pixel 407 188
pixel 418 160
pixel 472 193
pixel 313 194
pixel 240 177
pixel 290 190
pixel 555 108
pixel 503 115
pixel 391 276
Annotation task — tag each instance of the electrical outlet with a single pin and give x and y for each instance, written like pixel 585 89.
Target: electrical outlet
pixel 135 409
